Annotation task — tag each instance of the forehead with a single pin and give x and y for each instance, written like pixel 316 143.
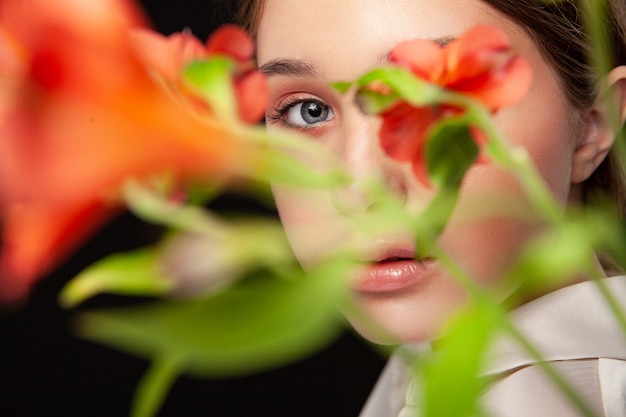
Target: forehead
pixel 344 38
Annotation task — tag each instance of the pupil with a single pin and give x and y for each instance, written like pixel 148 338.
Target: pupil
pixel 313 112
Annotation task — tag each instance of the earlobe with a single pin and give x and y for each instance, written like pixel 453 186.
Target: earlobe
pixel 601 125
pixel 592 146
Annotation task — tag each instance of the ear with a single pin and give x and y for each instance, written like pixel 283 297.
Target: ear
pixel 602 123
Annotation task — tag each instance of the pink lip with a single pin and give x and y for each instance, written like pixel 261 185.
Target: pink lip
pixel 393 274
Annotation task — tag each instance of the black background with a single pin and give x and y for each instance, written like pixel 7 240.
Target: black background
pixel 46 371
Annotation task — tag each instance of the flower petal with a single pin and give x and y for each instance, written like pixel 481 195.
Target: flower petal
pixel 475 52
pixel 420 168
pixel 167 56
pixel 103 22
pixel 36 238
pixel 12 56
pixel 252 96
pixel 75 130
pixel 424 58
pixel 403 130
pixel 479 64
pixel 232 41
pixel 503 87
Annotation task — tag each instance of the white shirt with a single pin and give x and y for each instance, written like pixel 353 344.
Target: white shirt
pixel 572 327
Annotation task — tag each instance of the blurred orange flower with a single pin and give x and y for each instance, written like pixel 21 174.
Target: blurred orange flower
pixel 80 113
pixel 182 48
pixel 479 64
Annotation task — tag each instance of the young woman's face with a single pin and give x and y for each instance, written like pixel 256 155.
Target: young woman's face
pixel 323 41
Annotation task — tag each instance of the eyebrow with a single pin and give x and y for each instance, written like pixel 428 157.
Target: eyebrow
pixel 289 67
pixel 296 67
pixel 443 40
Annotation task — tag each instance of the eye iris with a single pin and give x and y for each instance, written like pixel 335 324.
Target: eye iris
pixel 313 112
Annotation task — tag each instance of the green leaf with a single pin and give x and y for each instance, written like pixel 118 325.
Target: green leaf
pixel 372 102
pixel 258 324
pixel 452 382
pixel 211 79
pixel 284 157
pixel 280 168
pixel 450 152
pixel 550 261
pixel 342 87
pixel 566 249
pixel 433 220
pixel 135 273
pixel 404 84
pixel 152 207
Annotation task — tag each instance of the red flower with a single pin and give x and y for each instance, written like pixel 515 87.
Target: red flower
pixel 479 64
pixel 79 114
pixel 183 48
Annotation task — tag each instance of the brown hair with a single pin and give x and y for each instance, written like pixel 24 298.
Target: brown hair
pixel 249 13
pixel 559 29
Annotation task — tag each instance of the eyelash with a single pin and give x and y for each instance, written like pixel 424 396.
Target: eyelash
pixel 278 113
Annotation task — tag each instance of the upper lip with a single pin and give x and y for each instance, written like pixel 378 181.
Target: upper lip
pixel 383 250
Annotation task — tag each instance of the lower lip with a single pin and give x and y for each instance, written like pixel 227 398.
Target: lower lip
pixel 392 276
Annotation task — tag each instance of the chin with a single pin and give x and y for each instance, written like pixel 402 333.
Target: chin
pixel 391 337
pixel 390 329
pixel 415 315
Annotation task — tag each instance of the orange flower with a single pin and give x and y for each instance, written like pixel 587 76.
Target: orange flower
pixel 479 64
pixel 79 114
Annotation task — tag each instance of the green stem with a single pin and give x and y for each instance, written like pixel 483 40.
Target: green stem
pixel 154 385
pixel 547 367
pixel 518 161
pixel 612 303
pixel 503 320
pixel 530 179
pixel 515 160
pixel 595 12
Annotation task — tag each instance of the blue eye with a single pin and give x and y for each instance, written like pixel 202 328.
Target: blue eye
pixel 303 113
pixel 308 113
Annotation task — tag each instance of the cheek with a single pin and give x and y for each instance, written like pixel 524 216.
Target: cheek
pixel 494 219
pixel 542 125
pixel 490 247
pixel 311 224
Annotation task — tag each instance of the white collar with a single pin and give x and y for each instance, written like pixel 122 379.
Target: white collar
pixel 573 322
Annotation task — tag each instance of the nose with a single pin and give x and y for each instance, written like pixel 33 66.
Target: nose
pixel 365 161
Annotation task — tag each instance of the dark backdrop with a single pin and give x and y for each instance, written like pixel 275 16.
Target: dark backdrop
pixel 46 371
